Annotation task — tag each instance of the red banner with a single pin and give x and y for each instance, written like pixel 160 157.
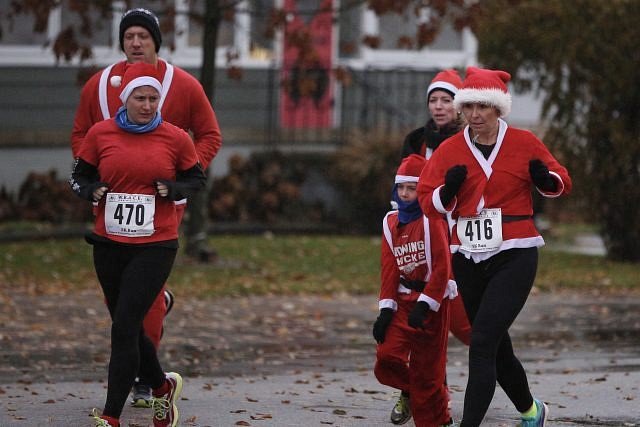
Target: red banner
pixel 307 83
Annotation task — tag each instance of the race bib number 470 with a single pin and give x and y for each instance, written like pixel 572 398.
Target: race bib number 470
pixel 129 215
pixel 481 233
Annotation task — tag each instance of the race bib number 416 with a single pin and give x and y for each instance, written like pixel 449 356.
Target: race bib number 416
pixel 129 215
pixel 481 233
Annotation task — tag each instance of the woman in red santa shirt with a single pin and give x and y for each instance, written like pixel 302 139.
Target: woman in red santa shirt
pixel 183 103
pixel 414 302
pixel 483 178
pixel 444 122
pixel 135 166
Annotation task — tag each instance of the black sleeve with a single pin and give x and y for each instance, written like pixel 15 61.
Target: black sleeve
pixel 85 179
pixel 187 183
pixel 413 142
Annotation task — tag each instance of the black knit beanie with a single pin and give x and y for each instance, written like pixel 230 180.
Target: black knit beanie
pixel 143 18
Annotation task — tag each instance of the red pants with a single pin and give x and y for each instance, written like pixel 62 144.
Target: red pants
pixel 425 373
pixel 153 321
pixel 458 321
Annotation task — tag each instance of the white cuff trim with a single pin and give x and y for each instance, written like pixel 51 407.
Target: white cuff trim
pixel 433 304
pixel 388 303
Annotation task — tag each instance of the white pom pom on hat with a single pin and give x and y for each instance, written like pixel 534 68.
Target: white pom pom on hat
pixel 115 81
pixel 483 86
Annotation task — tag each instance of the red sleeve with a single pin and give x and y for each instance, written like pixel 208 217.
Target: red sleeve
pixel 559 172
pixel 440 259
pixel 431 178
pixel 85 114
pixel 89 152
pixel 187 157
pixel 389 272
pixel 204 126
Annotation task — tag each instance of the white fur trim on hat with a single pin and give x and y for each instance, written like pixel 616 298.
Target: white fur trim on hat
pixel 493 97
pixel 442 85
pixel 405 178
pixel 136 83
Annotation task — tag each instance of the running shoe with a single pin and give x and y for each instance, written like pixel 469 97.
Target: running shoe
pixel 141 395
pixel 165 411
pixel 541 417
pixel 401 412
pixel 169 299
pixel 99 421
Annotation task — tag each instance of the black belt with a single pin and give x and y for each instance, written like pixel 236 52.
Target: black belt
pixel 414 285
pixel 514 218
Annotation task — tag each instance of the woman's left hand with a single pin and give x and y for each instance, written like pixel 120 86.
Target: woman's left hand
pixel 162 189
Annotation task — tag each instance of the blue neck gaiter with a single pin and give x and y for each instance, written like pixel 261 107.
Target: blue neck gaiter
pixel 407 211
pixel 125 124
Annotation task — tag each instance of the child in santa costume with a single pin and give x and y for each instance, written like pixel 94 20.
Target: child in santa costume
pixel 414 302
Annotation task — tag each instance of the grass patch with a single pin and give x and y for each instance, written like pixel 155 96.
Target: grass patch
pixel 274 264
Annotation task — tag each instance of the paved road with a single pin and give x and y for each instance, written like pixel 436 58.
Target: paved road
pixel 307 361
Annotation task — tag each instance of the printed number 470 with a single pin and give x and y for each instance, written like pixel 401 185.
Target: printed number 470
pixel 119 213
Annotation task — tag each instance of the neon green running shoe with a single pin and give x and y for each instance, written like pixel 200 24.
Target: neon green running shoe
pixel 401 412
pixel 540 419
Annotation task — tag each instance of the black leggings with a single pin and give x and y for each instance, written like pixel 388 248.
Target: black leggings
pixel 131 278
pixel 494 291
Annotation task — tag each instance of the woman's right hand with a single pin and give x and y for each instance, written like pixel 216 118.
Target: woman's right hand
pixel 100 191
pixel 453 180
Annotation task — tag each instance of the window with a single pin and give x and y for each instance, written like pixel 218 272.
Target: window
pixel 225 34
pixel 394 26
pixel 19 30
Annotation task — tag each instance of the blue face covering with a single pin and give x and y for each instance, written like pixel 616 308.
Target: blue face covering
pixel 125 124
pixel 407 211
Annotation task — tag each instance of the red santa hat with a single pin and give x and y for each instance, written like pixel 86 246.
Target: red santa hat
pixel 136 75
pixel 447 80
pixel 489 87
pixel 410 168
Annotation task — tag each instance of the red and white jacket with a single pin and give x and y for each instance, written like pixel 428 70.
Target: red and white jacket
pixel 183 103
pixel 501 181
pixel 416 251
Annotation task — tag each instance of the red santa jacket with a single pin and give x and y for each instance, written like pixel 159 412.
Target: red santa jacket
pixel 183 103
pixel 501 181
pixel 416 251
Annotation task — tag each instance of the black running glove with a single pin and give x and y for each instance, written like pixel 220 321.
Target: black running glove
pixel 541 177
pixel 419 314
pixel 453 180
pixel 381 324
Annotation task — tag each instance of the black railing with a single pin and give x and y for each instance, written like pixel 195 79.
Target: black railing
pixel 385 101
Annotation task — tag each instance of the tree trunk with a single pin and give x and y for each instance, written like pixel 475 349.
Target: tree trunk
pixel 197 220
pixel 211 25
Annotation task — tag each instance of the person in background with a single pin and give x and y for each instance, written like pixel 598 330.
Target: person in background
pixel 415 291
pixel 182 103
pixel 134 166
pixel 444 122
pixel 483 178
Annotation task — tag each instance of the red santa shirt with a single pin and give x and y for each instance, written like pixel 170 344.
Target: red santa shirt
pixel 415 251
pixel 131 163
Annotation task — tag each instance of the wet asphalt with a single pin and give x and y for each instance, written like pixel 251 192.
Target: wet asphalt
pixel 295 361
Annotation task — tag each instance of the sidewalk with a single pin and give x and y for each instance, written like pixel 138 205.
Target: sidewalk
pixel 335 398
pixel 310 364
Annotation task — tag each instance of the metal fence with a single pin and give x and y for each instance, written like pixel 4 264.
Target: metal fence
pixel 386 101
